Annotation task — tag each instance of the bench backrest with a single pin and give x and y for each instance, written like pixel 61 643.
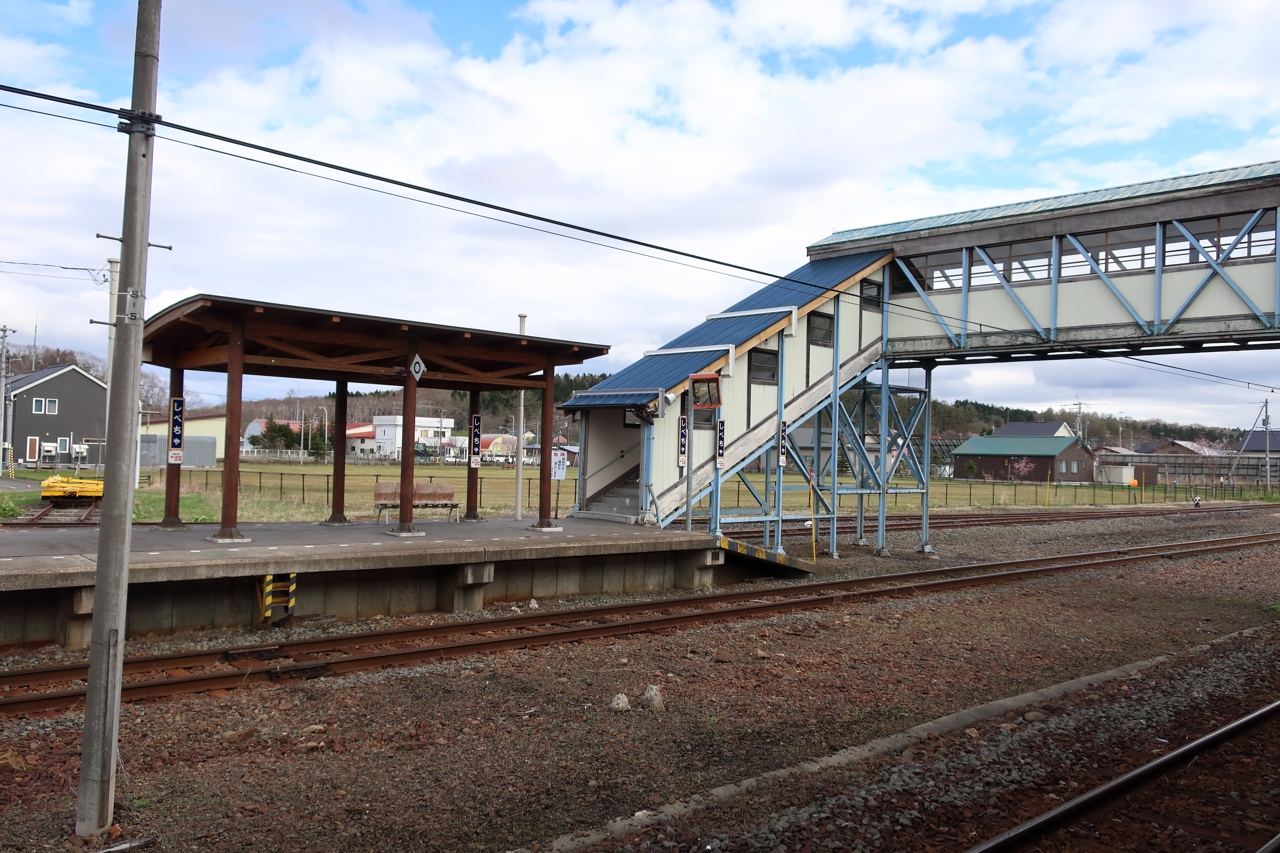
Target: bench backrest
pixel 432 492
pixel 386 492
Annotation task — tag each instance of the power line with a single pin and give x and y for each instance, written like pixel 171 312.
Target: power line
pixel 901 310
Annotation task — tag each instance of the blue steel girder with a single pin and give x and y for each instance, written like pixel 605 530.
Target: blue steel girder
pixel 1215 269
pixel 955 341
pixel 908 453
pixel 855 435
pixel 1026 312
pixel 1115 291
pixel 750 488
pixel 794 452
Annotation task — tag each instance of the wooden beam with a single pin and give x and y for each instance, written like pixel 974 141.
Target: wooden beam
pixel 312 365
pixel 439 359
pixel 197 358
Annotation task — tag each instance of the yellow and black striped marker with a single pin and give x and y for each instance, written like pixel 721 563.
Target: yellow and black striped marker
pixel 276 590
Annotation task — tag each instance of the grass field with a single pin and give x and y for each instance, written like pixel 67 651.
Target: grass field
pixel 282 492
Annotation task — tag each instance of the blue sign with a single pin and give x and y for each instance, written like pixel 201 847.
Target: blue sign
pixel 475 441
pixel 684 441
pixel 176 414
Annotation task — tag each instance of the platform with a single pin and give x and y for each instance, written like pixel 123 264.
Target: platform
pixel 180 580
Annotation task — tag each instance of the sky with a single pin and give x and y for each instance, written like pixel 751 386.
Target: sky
pixel 742 131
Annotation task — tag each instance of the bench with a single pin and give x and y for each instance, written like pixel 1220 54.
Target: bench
pixel 386 496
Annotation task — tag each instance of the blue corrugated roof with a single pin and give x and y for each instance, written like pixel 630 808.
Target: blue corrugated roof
pixel 667 371
pixel 1062 202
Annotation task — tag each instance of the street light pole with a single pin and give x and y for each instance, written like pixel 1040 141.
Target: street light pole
pixel 95 803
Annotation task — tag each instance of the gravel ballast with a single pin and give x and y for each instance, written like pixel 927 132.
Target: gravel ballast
pixel 520 748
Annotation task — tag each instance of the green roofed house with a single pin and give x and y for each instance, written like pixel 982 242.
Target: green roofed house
pixel 1036 458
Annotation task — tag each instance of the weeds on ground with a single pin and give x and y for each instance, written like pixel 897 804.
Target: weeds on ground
pixel 7 508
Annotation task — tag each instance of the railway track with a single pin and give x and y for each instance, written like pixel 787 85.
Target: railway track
pixel 945 521
pixel 312 658
pixel 1213 791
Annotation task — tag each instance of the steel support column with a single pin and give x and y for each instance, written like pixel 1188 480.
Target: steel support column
pixel 882 499
pixel 925 547
pixel 835 424
pixel 782 451
pixel 1157 321
pixel 173 473
pixel 862 470
pixel 229 531
pixel 338 506
pixel 713 524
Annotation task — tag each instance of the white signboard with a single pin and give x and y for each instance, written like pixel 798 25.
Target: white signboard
pixel 559 464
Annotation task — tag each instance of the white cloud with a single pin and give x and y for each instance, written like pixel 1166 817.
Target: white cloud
pixel 666 120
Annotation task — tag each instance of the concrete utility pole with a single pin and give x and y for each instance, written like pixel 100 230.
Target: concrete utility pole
pixel 520 441
pixel 96 801
pixel 5 440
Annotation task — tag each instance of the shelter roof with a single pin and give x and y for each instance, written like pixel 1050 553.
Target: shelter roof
pixel 309 343
pixel 639 383
pixel 1208 181
pixel 1015 445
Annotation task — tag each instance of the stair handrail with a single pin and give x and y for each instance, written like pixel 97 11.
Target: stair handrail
pixel 621 453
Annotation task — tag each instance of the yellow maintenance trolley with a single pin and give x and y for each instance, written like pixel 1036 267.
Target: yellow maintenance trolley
pixel 65 488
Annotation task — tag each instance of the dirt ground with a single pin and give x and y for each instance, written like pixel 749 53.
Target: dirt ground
pixel 516 749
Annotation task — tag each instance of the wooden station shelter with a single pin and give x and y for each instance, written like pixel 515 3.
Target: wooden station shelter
pixel 239 336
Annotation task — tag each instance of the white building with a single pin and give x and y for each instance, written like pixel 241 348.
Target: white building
pixel 387 433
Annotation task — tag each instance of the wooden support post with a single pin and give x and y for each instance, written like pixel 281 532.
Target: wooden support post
pixel 473 474
pixel 338 505
pixel 173 473
pixel 408 432
pixel 229 531
pixel 544 461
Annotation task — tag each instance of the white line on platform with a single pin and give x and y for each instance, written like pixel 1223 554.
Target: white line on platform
pixel 344 545
pixel 308 546
pixel 153 553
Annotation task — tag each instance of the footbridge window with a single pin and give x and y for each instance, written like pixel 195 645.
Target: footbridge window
pixel 1115 251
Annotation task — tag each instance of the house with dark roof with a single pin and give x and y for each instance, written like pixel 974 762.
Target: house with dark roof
pixel 1032 428
pixel 1037 458
pixel 1178 447
pixel 57 416
pixel 1256 442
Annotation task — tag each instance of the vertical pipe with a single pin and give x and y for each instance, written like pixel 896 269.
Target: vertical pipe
pixel 966 266
pixel 1275 318
pixel 1055 273
pixel 581 483
pixel 835 424
pixel 646 468
pixel 520 439
pixel 769 467
pixel 230 531
pixel 885 401
pixel 862 472
pixel 713 526
pixel 925 547
pixel 544 460
pixel 473 474
pixel 782 451
pixel 173 473
pixel 338 511
pixel 408 432
pixel 1157 320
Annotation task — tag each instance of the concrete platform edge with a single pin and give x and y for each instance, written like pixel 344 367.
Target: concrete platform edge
pixel 871 749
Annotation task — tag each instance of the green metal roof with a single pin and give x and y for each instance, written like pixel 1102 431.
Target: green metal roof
pixel 1182 183
pixel 1014 445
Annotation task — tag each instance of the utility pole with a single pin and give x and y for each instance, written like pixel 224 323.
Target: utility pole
pixel 6 442
pixel 520 440
pixel 96 800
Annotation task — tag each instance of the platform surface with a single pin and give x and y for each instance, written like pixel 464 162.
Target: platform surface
pixel 66 557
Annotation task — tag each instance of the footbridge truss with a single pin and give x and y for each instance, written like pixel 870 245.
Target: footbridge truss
pixel 808 363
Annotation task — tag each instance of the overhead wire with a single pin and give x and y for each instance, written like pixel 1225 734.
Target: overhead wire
pixel 778 280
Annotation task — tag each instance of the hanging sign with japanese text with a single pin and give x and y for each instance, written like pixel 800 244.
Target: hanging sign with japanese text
pixel 176 415
pixel 720 443
pixel 684 441
pixel 475 441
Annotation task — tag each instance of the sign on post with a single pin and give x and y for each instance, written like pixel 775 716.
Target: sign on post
pixel 176 414
pixel 684 441
pixel 782 445
pixel 720 443
pixel 475 441
pixel 559 464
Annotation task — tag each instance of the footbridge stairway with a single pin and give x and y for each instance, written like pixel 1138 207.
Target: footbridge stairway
pixel 1180 265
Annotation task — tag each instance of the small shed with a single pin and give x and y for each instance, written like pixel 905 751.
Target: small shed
pixel 1033 458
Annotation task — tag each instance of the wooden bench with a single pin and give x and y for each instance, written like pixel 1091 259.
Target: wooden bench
pixel 386 496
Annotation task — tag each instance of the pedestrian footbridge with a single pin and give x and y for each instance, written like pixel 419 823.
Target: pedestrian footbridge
pixel 811 365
